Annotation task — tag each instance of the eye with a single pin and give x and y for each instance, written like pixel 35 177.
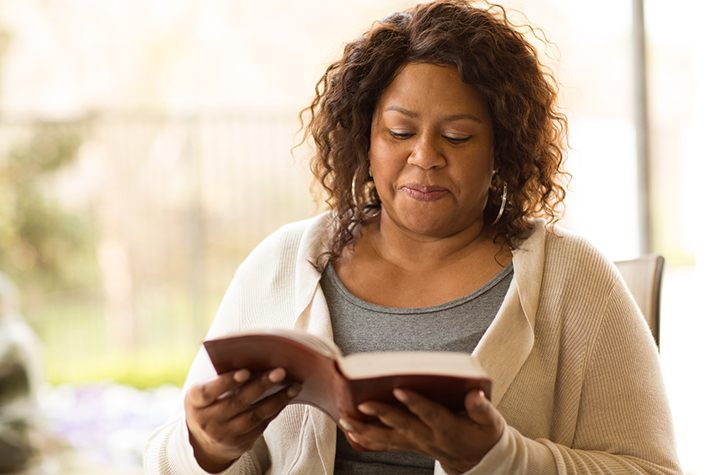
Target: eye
pixel 457 139
pixel 400 135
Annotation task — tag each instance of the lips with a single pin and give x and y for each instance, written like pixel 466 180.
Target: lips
pixel 424 192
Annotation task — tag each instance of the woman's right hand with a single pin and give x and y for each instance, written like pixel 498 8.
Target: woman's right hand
pixel 224 421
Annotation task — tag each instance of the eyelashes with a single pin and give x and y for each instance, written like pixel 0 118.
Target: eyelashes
pixel 457 140
pixel 400 135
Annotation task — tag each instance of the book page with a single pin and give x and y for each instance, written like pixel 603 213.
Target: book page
pixel 322 345
pixel 374 364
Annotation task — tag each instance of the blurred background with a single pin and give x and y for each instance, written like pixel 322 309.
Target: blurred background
pixel 145 148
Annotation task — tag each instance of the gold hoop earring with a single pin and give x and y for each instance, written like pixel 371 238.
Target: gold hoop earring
pixel 353 191
pixel 353 185
pixel 502 205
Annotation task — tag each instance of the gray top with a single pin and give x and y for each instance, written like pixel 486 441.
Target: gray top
pixel 361 326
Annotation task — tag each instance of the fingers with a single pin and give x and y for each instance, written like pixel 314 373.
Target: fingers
pixel 373 438
pixel 203 395
pixel 252 390
pixel 353 440
pixel 400 431
pixel 430 413
pixel 262 412
pixel 397 419
pixel 247 394
pixel 364 444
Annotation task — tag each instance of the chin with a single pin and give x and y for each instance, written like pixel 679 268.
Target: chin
pixel 433 227
pixel 428 221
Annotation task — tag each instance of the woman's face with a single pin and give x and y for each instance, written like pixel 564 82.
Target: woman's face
pixel 431 151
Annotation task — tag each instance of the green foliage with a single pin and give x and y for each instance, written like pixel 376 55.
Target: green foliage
pixel 129 368
pixel 42 246
pixel 76 340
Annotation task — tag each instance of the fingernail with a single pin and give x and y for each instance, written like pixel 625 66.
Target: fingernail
pixel 277 375
pixel 348 427
pixel 293 390
pixel 400 395
pixel 366 409
pixel 241 376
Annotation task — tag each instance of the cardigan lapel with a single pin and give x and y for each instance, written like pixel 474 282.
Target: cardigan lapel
pixel 313 317
pixel 508 341
pixel 307 277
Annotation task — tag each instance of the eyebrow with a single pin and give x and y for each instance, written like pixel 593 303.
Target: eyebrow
pixel 448 118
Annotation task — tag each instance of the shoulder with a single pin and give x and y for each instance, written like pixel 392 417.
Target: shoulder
pixel 573 255
pixel 560 258
pixel 572 285
pixel 568 263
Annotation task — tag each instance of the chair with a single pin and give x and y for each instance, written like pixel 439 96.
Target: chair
pixel 643 276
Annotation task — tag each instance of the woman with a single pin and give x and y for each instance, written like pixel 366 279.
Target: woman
pixel 439 144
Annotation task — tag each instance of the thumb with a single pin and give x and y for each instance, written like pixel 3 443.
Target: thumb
pixel 480 410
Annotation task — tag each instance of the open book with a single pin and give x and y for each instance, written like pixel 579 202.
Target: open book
pixel 337 384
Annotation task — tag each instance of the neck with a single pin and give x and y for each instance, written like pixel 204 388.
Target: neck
pixel 417 252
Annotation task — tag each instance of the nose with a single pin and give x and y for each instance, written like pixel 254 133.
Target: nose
pixel 427 153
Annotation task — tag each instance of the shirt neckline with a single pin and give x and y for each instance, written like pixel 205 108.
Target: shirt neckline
pixel 346 293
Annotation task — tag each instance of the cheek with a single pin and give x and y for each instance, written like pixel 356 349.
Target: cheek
pixel 385 159
pixel 380 148
pixel 475 180
pixel 476 167
pixel 383 175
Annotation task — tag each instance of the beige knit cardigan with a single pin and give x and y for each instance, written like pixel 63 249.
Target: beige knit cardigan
pixel 575 370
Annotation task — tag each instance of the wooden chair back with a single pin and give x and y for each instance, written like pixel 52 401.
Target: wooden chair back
pixel 643 276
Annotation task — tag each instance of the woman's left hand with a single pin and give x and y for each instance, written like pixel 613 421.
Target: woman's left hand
pixel 458 442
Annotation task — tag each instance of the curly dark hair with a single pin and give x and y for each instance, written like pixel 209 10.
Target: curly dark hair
pixel 493 56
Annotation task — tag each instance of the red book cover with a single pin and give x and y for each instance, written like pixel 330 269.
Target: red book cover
pixel 337 384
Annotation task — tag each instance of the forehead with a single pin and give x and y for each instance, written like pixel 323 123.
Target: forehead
pixel 427 89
